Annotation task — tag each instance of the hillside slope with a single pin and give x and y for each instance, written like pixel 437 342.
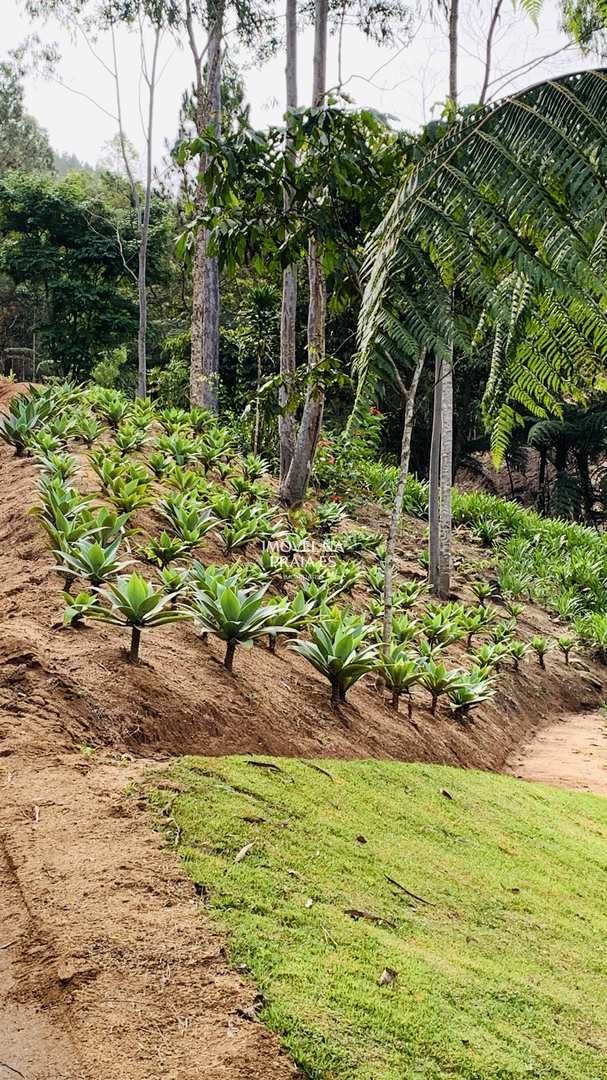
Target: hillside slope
pixel 180 699
pixel 103 934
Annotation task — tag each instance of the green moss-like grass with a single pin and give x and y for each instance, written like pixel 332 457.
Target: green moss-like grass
pixel 501 974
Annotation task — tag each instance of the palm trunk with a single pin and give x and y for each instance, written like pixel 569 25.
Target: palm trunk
pixel 288 315
pixel 204 369
pixel 293 488
pixel 405 455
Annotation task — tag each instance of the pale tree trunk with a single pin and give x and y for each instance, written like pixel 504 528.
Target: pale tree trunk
pixel 403 472
pixel 293 488
pixel 441 478
pixel 142 211
pixel 453 29
pixel 288 315
pixel 150 79
pixel 204 366
pixel 446 479
pixel 434 477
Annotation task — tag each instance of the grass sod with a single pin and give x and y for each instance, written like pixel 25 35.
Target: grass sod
pixel 500 974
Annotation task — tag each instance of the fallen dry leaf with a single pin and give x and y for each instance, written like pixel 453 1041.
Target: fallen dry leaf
pixel 244 851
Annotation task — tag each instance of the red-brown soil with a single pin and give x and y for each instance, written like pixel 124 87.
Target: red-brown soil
pixel 107 966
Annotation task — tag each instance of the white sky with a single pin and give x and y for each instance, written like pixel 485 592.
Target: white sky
pixel 407 81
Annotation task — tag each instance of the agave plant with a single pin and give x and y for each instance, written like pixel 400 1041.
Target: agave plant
pixel 489 531
pixel 187 480
pixel 337 650
pixel 59 498
pixel 487 657
pixel 592 630
pixel 174 582
pixel 78 607
pixel 514 609
pixel 342 577
pixel 89 559
pixel 174 420
pixel 237 617
pixel 207 578
pixel 248 525
pixel 354 541
pixel 328 515
pixel 540 647
pixel 199 418
pixel 275 566
pixel 180 448
pixel 130 495
pixel 502 633
pixel 104 524
pixel 469 691
pixel 474 620
pixel 254 467
pixel 402 671
pixel 87 428
pixel 22 420
pixel 482 590
pixel 517 651
pixel 566 643
pixel 437 680
pixel 192 524
pixel 214 445
pixel 129 438
pixel 135 603
pixel 56 464
pixel 227 508
pixel 251 491
pixel 42 443
pixel 159 464
pixel 164 549
pixel 290 617
pixel 440 627
pixel 409 592
pixel 113 406
pixel 405 629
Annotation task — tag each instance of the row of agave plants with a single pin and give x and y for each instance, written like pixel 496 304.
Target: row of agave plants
pixel 187 469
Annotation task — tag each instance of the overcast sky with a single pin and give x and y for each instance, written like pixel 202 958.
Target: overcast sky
pixel 407 80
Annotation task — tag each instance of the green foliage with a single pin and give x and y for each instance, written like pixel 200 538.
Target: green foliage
pixel 78 607
pixel 134 602
pixel 517 651
pixel 437 680
pixel 164 549
pixel 402 671
pixel 236 616
pixel 566 643
pixel 129 438
pixel 540 647
pixel 592 630
pixel 470 691
pixel 337 650
pixel 90 559
pixel 482 590
pixel 328 515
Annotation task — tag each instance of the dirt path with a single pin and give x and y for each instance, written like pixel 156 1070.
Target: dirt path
pixel 107 966
pixel 570 753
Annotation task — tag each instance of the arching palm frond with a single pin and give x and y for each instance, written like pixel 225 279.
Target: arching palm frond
pixel 509 207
